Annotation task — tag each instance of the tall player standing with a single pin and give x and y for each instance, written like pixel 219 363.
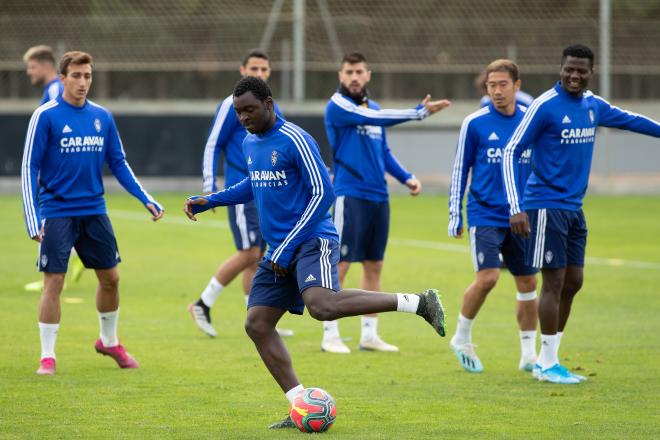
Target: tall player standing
pixel 227 136
pixel 68 141
pixel 483 135
pixel 291 188
pixel 561 124
pixel 355 128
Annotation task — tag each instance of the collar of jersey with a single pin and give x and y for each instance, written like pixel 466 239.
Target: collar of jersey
pixel 62 101
pixel 276 126
pixel 567 95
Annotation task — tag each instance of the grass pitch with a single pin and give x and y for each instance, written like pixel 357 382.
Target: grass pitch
pixel 191 386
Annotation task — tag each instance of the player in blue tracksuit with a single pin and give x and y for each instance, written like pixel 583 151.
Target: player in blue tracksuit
pixel 292 191
pixel 481 141
pixel 561 124
pixel 40 68
pixel 355 126
pixel 226 136
pixel 69 139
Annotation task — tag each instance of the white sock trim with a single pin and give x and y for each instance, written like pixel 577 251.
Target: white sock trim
pixel 526 296
pixel 211 292
pixel 291 394
pixel 108 328
pixel 48 336
pixel 407 302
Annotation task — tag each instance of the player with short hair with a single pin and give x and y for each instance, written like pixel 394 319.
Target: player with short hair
pixel 482 138
pixel 561 125
pixel 291 188
pixel 355 126
pixel 522 98
pixel 226 136
pixel 68 140
pixel 40 68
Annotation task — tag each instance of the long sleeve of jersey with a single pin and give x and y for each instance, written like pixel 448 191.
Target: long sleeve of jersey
pixel 465 152
pixel 116 159
pixel 392 164
pixel 218 136
pixel 614 117
pixel 529 129
pixel 343 112
pixel 234 195
pixel 317 181
pixel 35 145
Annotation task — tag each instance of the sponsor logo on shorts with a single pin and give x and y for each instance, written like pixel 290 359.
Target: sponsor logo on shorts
pixel 253 236
pixel 344 250
pixel 44 260
pixel 310 278
pixel 481 257
pixel 549 256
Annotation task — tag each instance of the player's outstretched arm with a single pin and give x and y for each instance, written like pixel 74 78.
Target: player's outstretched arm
pixel 342 112
pixel 394 168
pixel 234 195
pixel 116 159
pixel 614 117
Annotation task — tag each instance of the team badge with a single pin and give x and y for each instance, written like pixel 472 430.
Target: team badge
pixel 591 116
pixel 253 237
pixel 344 250
pixel 481 257
pixel 273 157
pixel 97 125
pixel 548 256
pixel 44 261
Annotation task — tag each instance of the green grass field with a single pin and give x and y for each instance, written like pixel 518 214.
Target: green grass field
pixel 191 386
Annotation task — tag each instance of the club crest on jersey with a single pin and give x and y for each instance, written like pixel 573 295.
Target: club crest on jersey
pixel 273 158
pixel 97 125
pixel 592 118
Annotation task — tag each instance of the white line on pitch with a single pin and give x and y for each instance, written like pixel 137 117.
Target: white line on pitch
pixel 426 244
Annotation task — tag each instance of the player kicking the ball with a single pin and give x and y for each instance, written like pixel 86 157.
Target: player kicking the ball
pixel 561 124
pixel 68 141
pixel 482 138
pixel 292 191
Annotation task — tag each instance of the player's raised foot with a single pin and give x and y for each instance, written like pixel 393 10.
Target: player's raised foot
pixel 284 332
pixel 467 357
pixel 577 376
pixel 46 367
pixel 559 375
pixel 527 363
pixel 430 308
pixel 334 345
pixel 377 344
pixel 201 314
pixel 118 353
pixel 77 268
pixel 283 424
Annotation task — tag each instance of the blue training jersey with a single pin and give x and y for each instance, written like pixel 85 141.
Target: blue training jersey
pixel 359 146
pixel 226 135
pixel 290 186
pixel 52 90
pixel 481 142
pixel 65 149
pixel 522 98
pixel 562 128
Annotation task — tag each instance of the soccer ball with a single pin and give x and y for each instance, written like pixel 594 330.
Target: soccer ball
pixel 313 410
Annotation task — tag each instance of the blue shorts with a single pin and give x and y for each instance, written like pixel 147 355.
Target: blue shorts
pixel 488 242
pixel 92 237
pixel 558 238
pixel 314 264
pixel 363 227
pixel 244 224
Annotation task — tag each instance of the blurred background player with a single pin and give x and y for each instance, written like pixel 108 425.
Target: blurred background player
pixel 355 128
pixel 522 98
pixel 561 125
pixel 227 135
pixel 40 68
pixel 482 138
pixel 68 141
pixel 291 188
